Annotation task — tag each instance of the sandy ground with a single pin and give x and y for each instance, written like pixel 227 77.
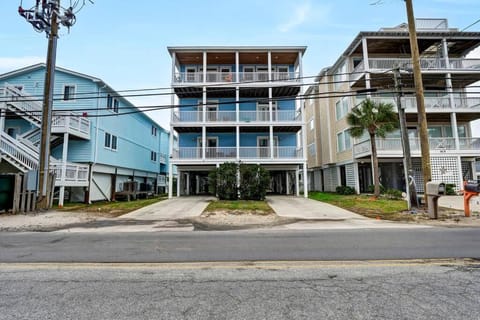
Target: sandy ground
pixel 47 221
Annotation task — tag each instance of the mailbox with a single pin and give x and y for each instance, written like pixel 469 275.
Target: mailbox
pixel 472 186
pixel 433 192
pixel 435 188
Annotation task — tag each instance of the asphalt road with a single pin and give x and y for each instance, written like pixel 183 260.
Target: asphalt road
pixel 324 245
pixel 273 291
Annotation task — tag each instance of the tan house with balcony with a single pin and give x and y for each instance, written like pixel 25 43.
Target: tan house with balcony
pixel 364 70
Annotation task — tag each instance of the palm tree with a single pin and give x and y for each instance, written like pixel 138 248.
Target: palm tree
pixel 377 119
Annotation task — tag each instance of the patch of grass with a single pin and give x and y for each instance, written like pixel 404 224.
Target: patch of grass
pixel 110 209
pixel 240 206
pixel 367 206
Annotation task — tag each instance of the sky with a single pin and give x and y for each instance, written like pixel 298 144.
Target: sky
pixel 125 42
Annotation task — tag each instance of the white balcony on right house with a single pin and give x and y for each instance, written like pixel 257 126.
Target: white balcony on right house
pixel 392 147
pixel 461 103
pixel 383 64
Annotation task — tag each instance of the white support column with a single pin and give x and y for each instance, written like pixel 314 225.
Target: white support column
pixel 297 181
pixel 64 169
pixel 269 59
pixel 237 66
pixel 174 64
pixel 204 66
pixel 237 132
pixel 271 142
pixel 287 181
pixel 187 183
pixel 170 180
pixel 366 64
pixel 237 103
pixel 300 66
pixel 204 142
pixel 204 115
pixel 179 182
pixel 305 181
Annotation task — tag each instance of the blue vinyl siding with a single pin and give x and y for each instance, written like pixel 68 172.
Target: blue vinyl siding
pixel 135 140
pixel 189 140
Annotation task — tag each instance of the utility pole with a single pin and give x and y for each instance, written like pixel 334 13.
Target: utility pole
pixel 43 200
pixel 45 17
pixel 407 158
pixel 422 116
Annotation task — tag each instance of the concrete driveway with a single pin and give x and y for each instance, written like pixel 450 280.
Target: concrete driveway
pixel 300 207
pixel 320 215
pixel 175 208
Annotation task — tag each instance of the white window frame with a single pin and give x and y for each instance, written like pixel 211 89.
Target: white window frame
pixel 266 106
pixel 189 73
pixel 311 124
pixel 154 131
pixel 73 96
pixel 248 75
pixel 344 134
pixel 275 144
pixel 280 75
pixel 312 149
pixel 110 141
pixel 343 103
pixel 153 156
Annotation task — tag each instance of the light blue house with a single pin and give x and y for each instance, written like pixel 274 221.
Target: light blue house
pixel 237 104
pixel 99 139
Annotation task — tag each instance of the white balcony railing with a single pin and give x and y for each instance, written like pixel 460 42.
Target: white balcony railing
pixel 431 103
pixel 231 116
pixel 425 64
pixel 69 173
pixel 225 77
pixel 436 144
pixel 71 123
pixel 195 153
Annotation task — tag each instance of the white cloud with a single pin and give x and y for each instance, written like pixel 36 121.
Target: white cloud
pixel 12 63
pixel 300 15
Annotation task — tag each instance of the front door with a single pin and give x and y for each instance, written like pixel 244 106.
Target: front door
pixel 263 144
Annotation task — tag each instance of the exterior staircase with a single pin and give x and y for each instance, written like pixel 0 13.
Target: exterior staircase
pixel 23 151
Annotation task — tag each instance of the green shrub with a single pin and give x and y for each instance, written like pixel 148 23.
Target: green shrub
pixel 254 182
pixel 223 181
pixel 450 189
pixel 371 189
pixel 393 194
pixel 345 190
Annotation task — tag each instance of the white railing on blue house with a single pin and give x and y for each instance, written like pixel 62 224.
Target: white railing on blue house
pixel 231 116
pixel 226 77
pixel 230 153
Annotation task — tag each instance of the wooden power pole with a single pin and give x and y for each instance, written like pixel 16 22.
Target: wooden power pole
pixel 44 197
pixel 422 117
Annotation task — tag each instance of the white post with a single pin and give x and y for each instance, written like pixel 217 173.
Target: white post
pixel 204 142
pixel 64 169
pixel 366 64
pixel 174 62
pixel 269 59
pixel 2 118
pixel 179 182
pixel 305 181
pixel 187 183
pixel 297 181
pixel 237 129
pixel 287 181
pixel 237 103
pixel 271 142
pixel 237 66
pixel 204 66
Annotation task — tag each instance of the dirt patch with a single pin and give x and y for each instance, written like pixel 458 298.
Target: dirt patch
pixel 236 219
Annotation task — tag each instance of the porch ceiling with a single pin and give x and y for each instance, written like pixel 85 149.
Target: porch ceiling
pixel 214 58
pixel 458 46
pixel 224 92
